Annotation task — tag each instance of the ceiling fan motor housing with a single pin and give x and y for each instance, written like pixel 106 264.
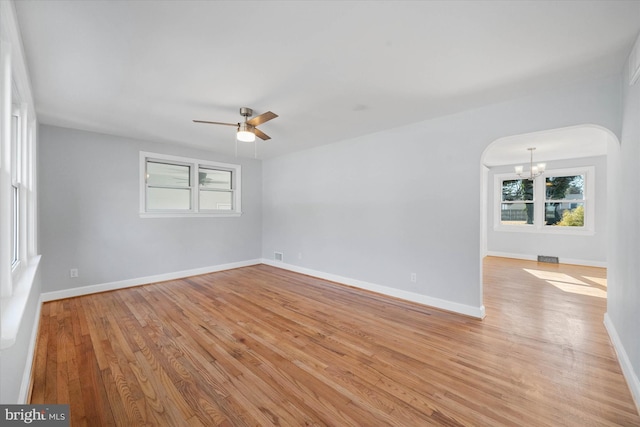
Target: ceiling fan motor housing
pixel 246 112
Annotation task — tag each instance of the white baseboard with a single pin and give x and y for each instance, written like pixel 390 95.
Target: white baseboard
pixel 586 263
pixel 111 286
pixel 623 359
pixel 26 375
pixel 478 312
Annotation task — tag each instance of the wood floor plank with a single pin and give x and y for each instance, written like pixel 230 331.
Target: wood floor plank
pixel 39 370
pixel 263 346
pixel 97 409
pixel 51 373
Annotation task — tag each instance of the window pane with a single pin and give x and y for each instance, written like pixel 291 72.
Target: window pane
pixel 167 175
pixel 168 199
pixel 517 189
pixel 15 224
pixel 216 200
pixel 15 148
pixel 217 179
pixel 517 213
pixel 564 214
pixel 565 187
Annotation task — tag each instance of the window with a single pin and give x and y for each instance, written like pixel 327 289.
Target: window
pixel 168 187
pixel 16 147
pixel 559 201
pixel 19 260
pixel 16 157
pixel 564 201
pixel 216 192
pixel 15 226
pixel 179 186
pixel 517 202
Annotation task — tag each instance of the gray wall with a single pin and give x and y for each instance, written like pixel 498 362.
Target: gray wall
pixel 89 205
pixel 623 296
pixel 587 249
pixel 379 207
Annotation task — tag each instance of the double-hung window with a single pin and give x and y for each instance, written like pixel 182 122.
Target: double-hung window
pixel 564 200
pixel 16 150
pixel 18 214
pixel 168 187
pixel 517 203
pixel 215 188
pixel 559 201
pixel 180 186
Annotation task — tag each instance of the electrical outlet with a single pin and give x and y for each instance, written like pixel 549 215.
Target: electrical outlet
pixel 414 277
pixel 73 273
pixel 299 255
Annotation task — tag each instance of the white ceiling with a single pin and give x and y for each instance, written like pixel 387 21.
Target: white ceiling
pixel 331 70
pixel 552 144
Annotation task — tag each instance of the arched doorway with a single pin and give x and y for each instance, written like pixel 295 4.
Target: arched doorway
pixel 560 148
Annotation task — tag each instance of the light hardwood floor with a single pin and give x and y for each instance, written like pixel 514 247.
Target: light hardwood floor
pixel 263 346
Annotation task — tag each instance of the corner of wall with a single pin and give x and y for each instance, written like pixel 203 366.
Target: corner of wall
pixel 625 363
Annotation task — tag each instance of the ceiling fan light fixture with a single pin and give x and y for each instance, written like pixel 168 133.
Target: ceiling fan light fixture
pixel 245 133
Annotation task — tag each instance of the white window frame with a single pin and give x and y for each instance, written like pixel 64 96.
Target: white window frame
pixel 539 203
pixel 195 165
pixel 18 170
pixel 17 153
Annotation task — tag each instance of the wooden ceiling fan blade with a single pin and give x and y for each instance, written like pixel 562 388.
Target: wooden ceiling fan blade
pixel 217 123
pixel 261 134
pixel 264 117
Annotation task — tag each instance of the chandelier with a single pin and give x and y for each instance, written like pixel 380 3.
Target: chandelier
pixel 534 171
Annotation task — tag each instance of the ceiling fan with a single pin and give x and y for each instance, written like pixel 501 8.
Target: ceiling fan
pixel 247 130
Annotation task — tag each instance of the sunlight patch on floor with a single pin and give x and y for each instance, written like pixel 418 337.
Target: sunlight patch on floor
pixel 599 280
pixel 551 275
pixel 579 289
pixel 567 283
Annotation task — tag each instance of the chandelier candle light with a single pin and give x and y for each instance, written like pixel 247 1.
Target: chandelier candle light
pixel 534 171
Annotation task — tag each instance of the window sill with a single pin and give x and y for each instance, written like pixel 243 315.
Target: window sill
pixel 567 231
pixel 188 215
pixel 13 307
